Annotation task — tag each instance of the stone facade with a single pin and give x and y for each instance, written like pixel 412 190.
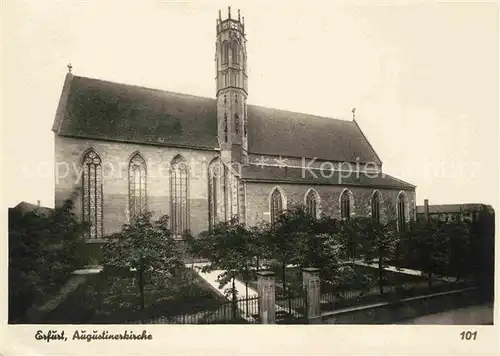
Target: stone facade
pixel 117 121
pixel 116 156
pixel 258 200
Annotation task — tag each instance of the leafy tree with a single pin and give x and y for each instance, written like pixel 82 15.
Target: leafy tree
pixel 351 232
pixel 456 235
pixel 258 246
pixel 481 264
pixel 288 239
pixel 379 244
pixel 44 249
pixel 144 246
pixel 428 239
pixel 229 247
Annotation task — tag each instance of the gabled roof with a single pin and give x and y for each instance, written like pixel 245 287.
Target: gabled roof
pixel 256 173
pixel 104 110
pixel 292 134
pixel 25 207
pixel 97 109
pixel 452 208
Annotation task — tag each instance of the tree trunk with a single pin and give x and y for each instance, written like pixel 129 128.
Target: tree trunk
pixel 234 302
pixel 284 277
pixel 429 272
pixel 141 289
pixel 380 273
pixel 246 297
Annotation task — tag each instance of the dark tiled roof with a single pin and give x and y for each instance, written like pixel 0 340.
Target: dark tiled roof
pixel 105 110
pixel 451 208
pixel 25 207
pixel 285 133
pixel 299 175
pixel 99 109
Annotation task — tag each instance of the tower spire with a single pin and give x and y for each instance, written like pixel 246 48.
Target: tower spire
pixel 231 88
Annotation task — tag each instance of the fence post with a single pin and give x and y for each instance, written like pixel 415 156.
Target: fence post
pixel 311 282
pixel 267 298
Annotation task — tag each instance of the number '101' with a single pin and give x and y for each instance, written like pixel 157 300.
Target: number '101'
pixel 468 335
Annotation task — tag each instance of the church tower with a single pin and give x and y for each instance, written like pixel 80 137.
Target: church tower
pixel 232 88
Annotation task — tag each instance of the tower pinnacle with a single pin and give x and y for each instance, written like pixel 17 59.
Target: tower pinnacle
pixel 231 87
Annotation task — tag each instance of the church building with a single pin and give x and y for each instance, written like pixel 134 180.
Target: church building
pixel 122 149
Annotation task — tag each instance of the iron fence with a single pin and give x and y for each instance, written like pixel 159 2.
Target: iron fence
pixel 292 307
pixel 240 311
pixel 348 297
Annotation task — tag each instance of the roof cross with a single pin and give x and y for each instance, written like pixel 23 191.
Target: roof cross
pixel 70 67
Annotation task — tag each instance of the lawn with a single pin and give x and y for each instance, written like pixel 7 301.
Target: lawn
pixel 361 277
pixel 113 298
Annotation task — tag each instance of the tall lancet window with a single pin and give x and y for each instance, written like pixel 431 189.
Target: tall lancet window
pixel 214 176
pixel 235 52
pixel 225 52
pixel 137 186
pixel 346 204
pixel 179 192
pixel 376 207
pixel 312 203
pixel 92 194
pixel 276 204
pixel 402 210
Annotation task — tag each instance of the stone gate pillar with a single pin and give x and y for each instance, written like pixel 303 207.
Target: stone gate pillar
pixel 311 282
pixel 267 299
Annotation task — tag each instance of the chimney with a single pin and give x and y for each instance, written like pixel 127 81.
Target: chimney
pixel 426 209
pixel 38 203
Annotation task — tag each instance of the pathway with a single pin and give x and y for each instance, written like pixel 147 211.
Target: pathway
pixel 211 278
pixel 403 270
pixel 473 315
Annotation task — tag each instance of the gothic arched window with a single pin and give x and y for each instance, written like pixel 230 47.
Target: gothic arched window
pixel 92 194
pixel 402 210
pixel 225 52
pixel 179 192
pixel 312 203
pixel 277 204
pixel 245 125
pixel 225 127
pixel 137 186
pixel 235 52
pixel 376 206
pixel 214 175
pixel 346 202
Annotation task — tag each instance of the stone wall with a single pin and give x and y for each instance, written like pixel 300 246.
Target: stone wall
pixel 258 200
pixel 115 157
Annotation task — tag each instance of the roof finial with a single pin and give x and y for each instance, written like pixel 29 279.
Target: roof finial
pixel 70 67
pixel 353 114
pixel 238 15
pixel 229 11
pixel 220 16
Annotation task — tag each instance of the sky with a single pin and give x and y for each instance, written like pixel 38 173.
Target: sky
pixel 422 76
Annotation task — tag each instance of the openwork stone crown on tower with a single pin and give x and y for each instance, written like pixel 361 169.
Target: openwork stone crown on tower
pixel 230 23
